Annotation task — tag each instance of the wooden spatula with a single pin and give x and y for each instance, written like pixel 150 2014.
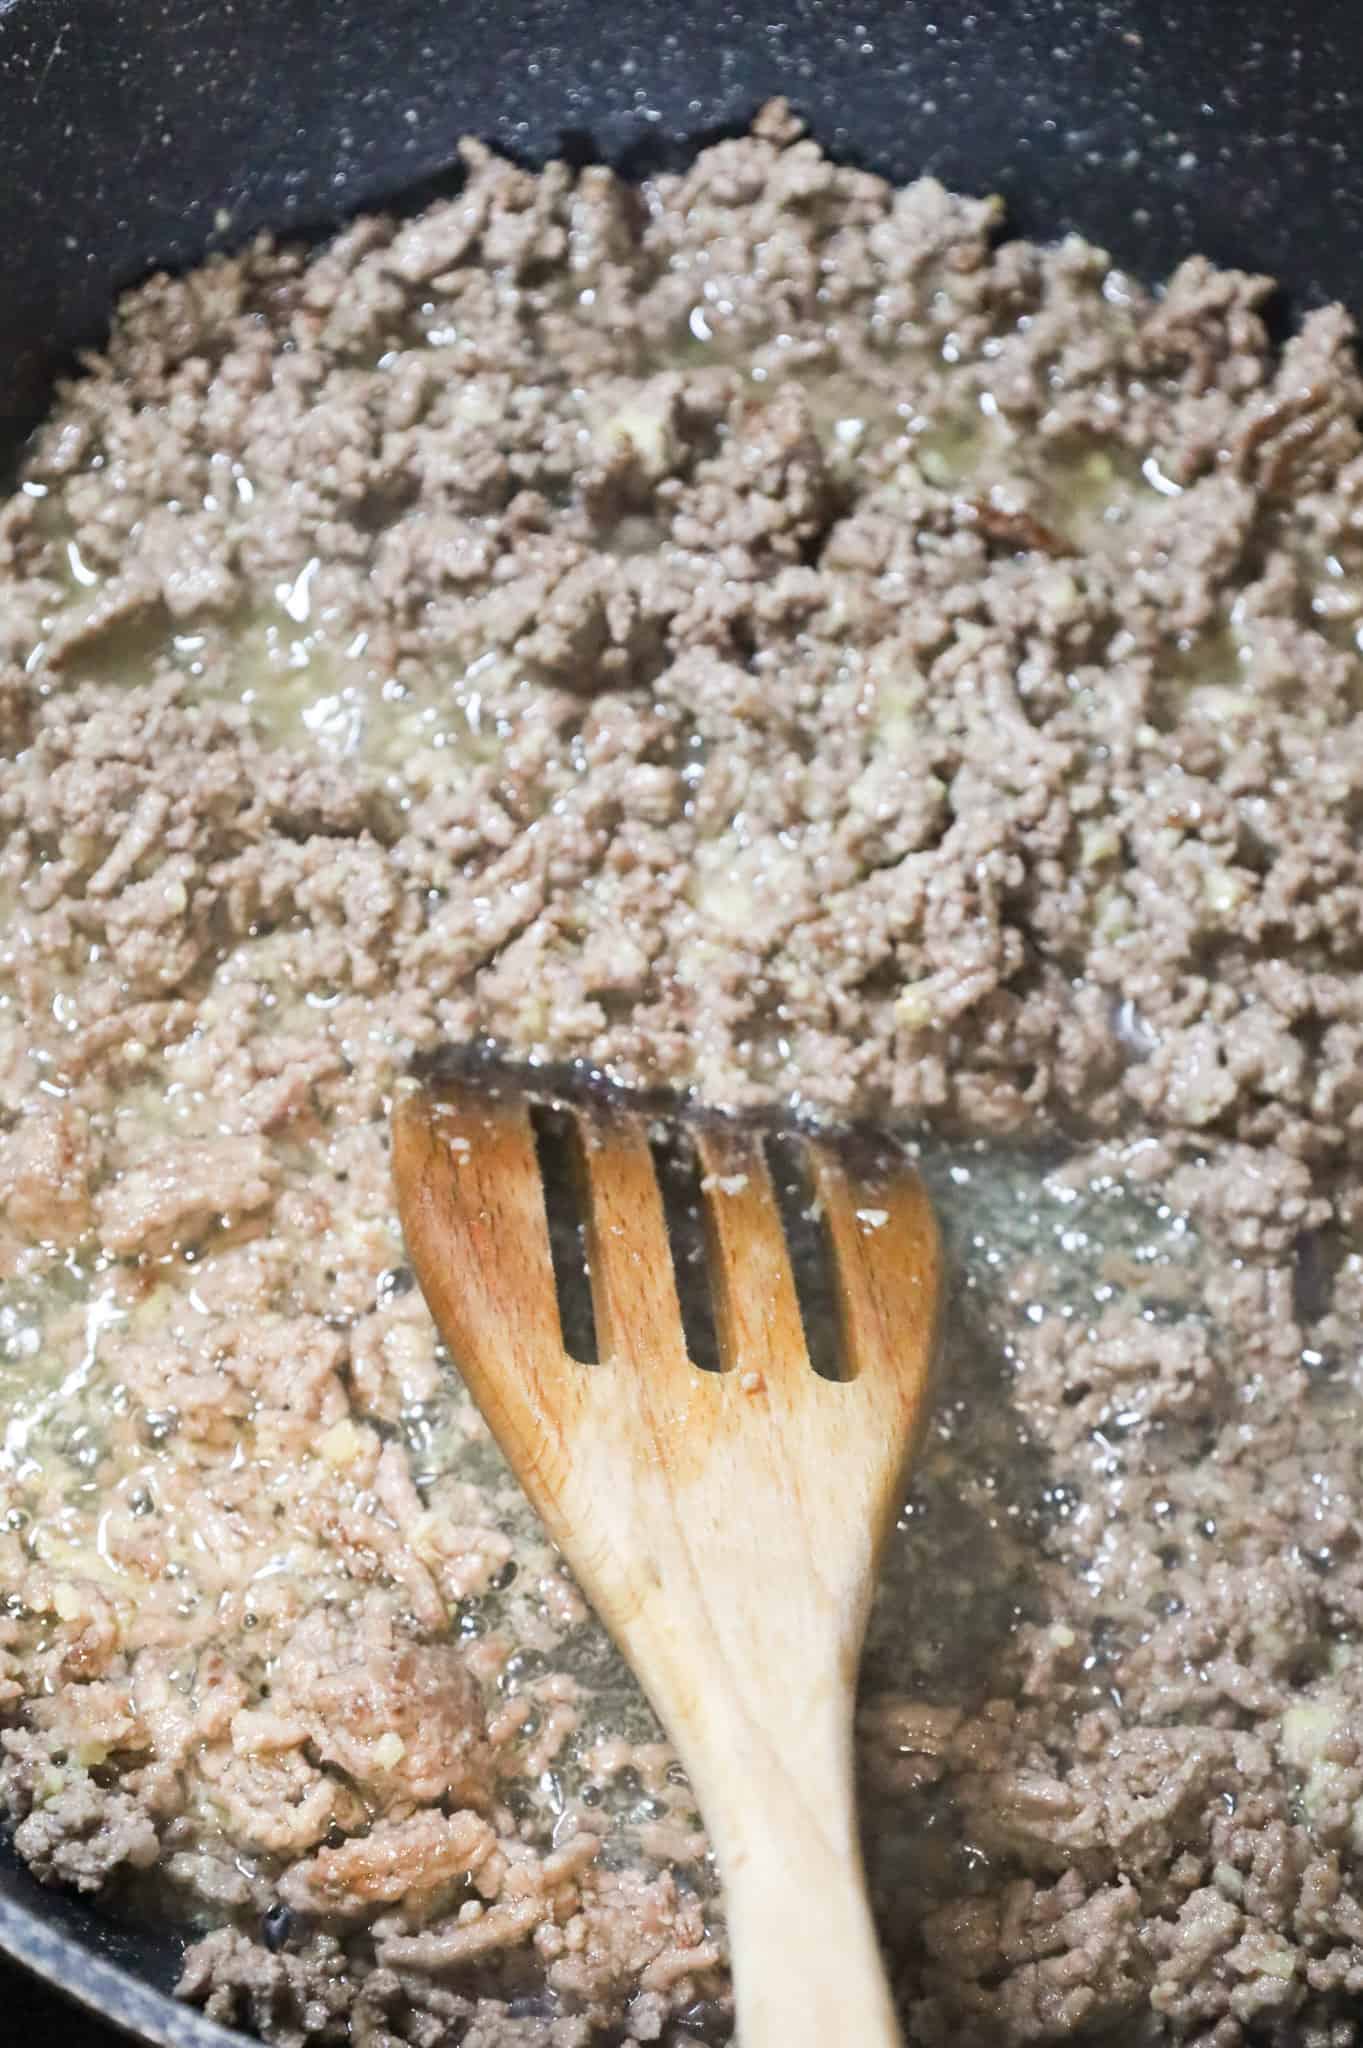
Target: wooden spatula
pixel 726 1524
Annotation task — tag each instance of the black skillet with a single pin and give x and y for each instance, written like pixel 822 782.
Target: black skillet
pixel 142 132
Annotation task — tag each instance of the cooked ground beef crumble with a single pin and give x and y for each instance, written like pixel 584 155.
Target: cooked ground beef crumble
pixel 758 632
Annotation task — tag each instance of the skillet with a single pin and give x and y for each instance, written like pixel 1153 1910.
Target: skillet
pixel 139 133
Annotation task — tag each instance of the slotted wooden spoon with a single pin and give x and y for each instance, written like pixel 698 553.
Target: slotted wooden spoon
pixel 725 1525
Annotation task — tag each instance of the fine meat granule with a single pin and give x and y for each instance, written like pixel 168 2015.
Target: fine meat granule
pixel 763 633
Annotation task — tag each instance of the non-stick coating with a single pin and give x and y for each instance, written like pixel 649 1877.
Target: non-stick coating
pixel 134 134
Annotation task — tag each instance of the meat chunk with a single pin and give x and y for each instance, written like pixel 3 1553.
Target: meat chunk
pixel 81 1833
pixel 181 1190
pixel 401 1718
pixel 394 1861
pixel 47 1167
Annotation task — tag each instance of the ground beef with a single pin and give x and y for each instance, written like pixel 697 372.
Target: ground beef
pixel 71 1831
pixel 170 1199
pixel 403 1720
pixel 763 633
pixel 81 1835
pixel 46 1166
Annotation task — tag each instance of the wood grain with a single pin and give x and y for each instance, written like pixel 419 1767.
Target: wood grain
pixel 724 1525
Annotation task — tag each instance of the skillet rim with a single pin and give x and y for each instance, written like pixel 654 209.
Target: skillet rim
pixel 66 1960
pixel 108 1991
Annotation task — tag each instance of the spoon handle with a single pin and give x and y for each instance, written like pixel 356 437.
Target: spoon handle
pixel 806 1960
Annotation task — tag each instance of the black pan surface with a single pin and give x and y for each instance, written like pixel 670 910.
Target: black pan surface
pixel 136 133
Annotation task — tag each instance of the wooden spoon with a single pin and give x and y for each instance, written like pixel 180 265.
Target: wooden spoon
pixel 725 1525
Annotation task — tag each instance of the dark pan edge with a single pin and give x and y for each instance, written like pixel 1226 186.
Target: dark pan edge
pixel 106 1989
